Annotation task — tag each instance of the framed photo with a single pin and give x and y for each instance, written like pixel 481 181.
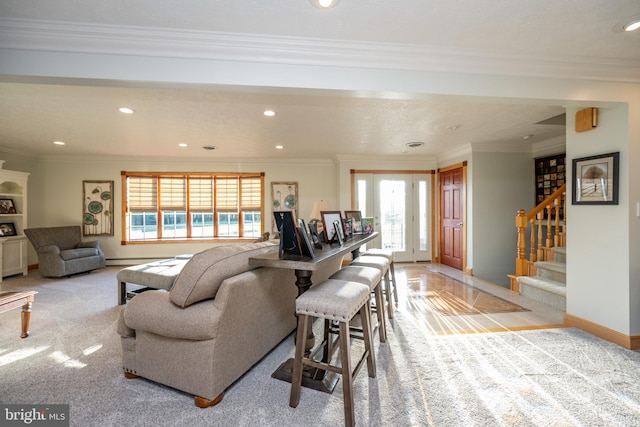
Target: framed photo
pixel 356 216
pixel 289 243
pixel 284 197
pixel 97 208
pixel 595 180
pixel 306 247
pixel 7 229
pixel 347 223
pixel 367 225
pixel 7 206
pixel 550 175
pixel 328 218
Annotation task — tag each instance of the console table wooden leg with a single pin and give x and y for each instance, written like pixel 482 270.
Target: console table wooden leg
pixel 26 319
pixel 303 282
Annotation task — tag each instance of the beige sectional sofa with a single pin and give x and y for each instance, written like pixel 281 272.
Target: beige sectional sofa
pixel 219 319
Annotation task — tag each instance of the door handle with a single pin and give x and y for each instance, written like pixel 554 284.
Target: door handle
pixel 460 224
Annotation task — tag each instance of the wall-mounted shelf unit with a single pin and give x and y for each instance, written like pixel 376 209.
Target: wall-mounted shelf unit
pixel 13 221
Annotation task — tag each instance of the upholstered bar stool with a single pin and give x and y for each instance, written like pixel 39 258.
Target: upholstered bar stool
pixel 371 277
pixel 382 264
pixel 389 255
pixel 340 301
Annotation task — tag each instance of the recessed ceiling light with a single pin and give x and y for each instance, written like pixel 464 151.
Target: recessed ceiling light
pixel 414 144
pixel 126 110
pixel 627 25
pixel 269 113
pixel 58 142
pixel 324 4
pixel 182 144
pixel 453 127
pixel 279 147
pixel 528 136
pixel 632 26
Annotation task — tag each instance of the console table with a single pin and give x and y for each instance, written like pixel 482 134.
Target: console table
pixel 303 268
pixel 11 300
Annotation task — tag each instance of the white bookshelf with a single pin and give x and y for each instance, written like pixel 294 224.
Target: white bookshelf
pixel 13 249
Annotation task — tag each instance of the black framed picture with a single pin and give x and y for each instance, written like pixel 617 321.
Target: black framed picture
pixel 595 180
pixel 7 229
pixel 289 243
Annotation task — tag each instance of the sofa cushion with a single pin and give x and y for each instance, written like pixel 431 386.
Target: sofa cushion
pixel 202 275
pixel 78 253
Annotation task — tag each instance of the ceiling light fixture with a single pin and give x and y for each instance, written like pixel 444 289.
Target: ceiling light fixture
pixel 279 147
pixel 269 113
pixel 324 4
pixel 414 144
pixel 59 142
pixel 628 25
pixel 126 110
pixel 528 136
pixel 182 144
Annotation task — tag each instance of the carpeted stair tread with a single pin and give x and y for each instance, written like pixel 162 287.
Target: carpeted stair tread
pixel 548 285
pixel 552 266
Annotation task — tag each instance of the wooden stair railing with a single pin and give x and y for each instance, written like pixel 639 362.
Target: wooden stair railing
pixel 540 243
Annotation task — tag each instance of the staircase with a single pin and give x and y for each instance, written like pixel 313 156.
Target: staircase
pixel 541 261
pixel 549 285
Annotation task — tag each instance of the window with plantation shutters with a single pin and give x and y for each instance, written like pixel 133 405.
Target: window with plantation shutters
pixel 165 207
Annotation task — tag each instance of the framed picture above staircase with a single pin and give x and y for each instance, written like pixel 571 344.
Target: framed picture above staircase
pixel 549 175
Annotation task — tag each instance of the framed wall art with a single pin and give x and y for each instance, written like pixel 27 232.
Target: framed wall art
pixel 595 180
pixel 549 175
pixel 97 208
pixel 284 198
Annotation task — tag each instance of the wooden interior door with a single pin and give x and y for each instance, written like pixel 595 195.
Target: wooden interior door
pixel 452 217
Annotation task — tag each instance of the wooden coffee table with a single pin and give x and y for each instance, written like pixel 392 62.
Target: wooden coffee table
pixel 10 300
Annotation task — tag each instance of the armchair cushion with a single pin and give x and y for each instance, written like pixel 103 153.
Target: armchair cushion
pixel 78 253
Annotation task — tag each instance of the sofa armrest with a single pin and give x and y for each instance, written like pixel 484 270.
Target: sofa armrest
pixel 152 311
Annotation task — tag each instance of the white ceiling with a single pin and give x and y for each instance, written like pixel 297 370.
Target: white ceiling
pixel 309 125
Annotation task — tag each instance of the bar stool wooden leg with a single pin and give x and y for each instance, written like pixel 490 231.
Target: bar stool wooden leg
pixel 347 379
pixel 296 379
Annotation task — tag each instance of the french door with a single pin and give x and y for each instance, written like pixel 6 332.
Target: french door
pixel 400 205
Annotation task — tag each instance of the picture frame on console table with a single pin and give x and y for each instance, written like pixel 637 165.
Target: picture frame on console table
pixel 356 216
pixel 367 225
pixel 328 218
pixel 289 241
pixel 595 180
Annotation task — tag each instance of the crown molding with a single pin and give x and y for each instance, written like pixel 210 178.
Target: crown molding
pixel 161 42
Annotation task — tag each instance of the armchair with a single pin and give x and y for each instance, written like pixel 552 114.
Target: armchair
pixel 62 253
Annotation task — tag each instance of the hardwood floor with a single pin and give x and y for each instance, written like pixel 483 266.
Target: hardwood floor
pixel 443 300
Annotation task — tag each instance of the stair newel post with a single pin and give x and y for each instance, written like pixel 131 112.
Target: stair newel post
pixel 521 261
pixel 540 218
